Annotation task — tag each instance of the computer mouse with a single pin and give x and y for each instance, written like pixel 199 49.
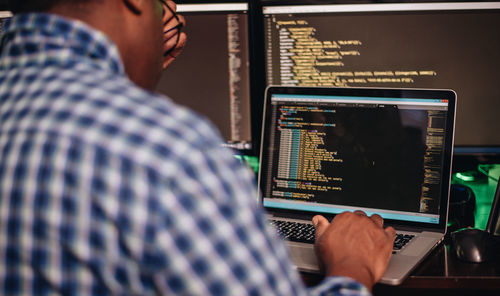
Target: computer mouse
pixel 471 245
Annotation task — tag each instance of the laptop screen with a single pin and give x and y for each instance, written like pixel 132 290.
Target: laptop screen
pixel 328 153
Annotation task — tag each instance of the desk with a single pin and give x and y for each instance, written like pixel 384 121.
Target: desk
pixel 441 273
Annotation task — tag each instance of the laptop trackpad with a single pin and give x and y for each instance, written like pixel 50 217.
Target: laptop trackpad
pixel 303 256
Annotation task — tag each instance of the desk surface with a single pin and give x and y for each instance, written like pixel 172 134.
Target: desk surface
pixel 442 269
pixel 440 272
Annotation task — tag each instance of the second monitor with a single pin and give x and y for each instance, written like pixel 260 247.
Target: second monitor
pixel 211 75
pixel 410 45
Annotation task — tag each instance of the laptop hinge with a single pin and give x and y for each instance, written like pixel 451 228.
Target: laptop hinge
pixel 405 228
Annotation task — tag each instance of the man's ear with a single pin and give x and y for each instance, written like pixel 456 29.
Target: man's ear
pixel 136 6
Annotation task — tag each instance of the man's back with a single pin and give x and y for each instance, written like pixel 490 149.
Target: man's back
pixel 106 187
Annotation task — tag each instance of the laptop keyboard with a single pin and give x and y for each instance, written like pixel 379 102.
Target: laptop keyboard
pixel 305 233
pixel 401 240
pixel 294 231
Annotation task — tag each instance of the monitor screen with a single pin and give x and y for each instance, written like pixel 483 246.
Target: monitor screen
pixel 326 150
pixel 418 45
pixel 211 75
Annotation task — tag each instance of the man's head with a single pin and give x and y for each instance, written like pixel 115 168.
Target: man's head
pixel 135 26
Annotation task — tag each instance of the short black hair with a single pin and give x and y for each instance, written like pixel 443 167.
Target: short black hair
pixel 17 6
pixel 20 6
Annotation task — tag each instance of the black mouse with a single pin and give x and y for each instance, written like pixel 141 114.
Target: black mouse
pixel 472 245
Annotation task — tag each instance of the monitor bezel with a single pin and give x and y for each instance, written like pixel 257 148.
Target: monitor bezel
pixel 372 92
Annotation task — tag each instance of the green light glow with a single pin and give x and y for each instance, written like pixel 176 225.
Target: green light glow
pixel 483 186
pixel 464 177
pixel 250 161
pixel 253 162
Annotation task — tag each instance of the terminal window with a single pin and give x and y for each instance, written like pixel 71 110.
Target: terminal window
pixel 394 45
pixel 357 155
pixel 211 75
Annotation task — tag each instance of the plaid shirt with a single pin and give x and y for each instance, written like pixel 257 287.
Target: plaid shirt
pixel 106 188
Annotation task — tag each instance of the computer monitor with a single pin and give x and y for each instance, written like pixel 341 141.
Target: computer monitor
pixel 4 14
pixel 212 74
pixel 411 45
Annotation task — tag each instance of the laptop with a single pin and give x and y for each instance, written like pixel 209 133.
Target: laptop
pixel 383 151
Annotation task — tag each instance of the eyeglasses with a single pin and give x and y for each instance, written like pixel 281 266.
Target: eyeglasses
pixel 178 27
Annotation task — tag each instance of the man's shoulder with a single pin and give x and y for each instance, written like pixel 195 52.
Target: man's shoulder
pixel 154 117
pixel 104 109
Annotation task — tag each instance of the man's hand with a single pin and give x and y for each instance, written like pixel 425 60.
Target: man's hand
pixel 174 38
pixel 354 245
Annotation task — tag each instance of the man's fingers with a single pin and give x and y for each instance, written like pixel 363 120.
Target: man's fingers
pixel 182 19
pixel 176 45
pixel 359 213
pixel 377 220
pixel 174 42
pixel 175 21
pixel 169 11
pixel 390 232
pixel 173 27
pixel 171 4
pixel 170 57
pixel 320 224
pixel 174 38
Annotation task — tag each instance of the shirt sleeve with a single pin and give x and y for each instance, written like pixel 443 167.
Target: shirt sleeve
pixel 339 286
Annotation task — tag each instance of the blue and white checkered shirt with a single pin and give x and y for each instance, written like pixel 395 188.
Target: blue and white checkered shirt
pixel 106 188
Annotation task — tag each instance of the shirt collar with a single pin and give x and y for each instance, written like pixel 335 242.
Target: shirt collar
pixel 38 38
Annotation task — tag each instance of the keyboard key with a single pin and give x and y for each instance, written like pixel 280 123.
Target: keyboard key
pixel 401 240
pixel 294 231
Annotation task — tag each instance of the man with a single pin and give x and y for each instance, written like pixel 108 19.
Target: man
pixel 109 188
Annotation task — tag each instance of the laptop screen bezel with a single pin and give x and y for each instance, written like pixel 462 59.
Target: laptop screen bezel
pixel 448 95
